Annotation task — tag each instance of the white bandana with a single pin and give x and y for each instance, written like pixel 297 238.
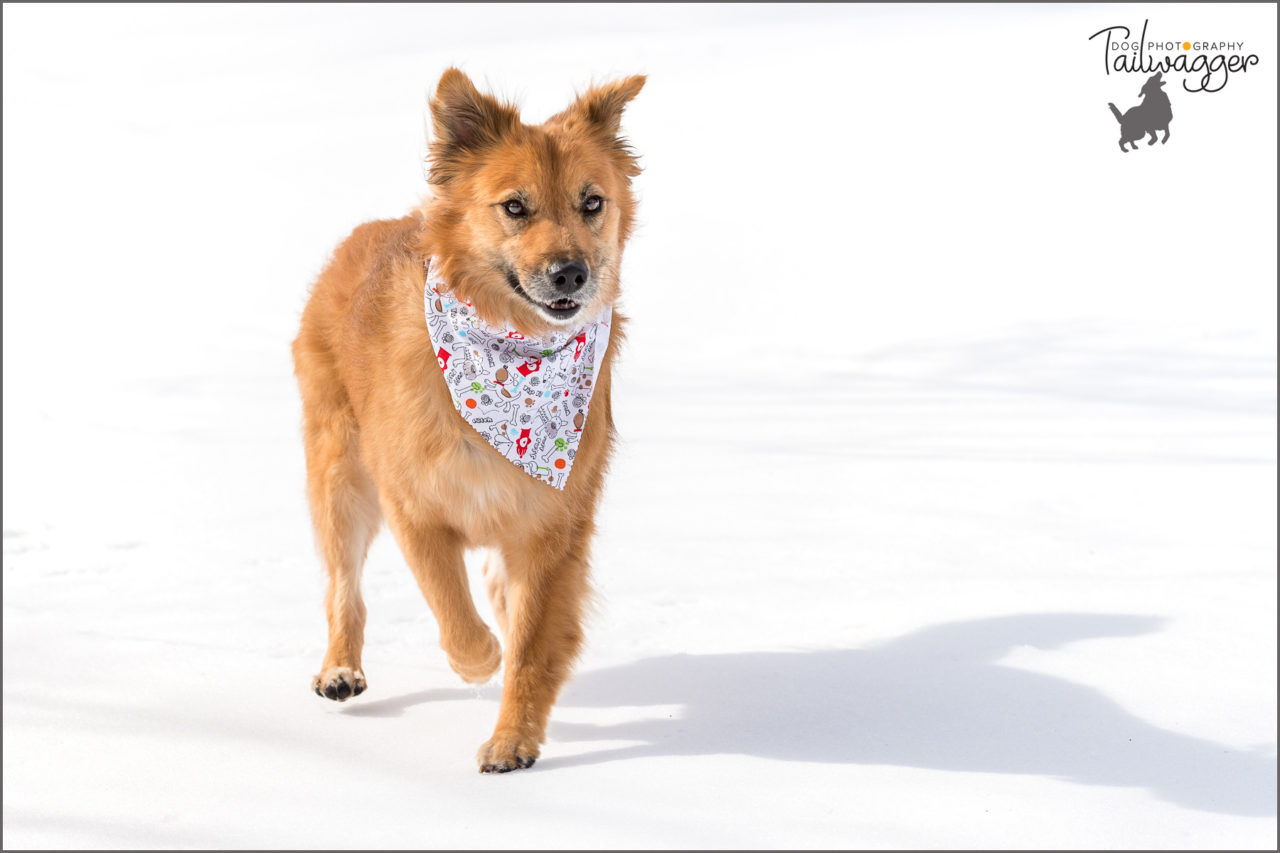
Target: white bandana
pixel 528 397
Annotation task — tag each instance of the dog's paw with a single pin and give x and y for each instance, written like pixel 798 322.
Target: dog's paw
pixel 479 667
pixel 503 753
pixel 339 683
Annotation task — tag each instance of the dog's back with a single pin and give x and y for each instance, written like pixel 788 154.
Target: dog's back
pixel 345 301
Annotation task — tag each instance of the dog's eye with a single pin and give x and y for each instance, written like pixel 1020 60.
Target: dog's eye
pixel 514 208
pixel 593 204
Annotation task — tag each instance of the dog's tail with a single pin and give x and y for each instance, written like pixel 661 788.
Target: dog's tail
pixel 1115 112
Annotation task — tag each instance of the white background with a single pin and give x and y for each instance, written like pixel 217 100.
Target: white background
pixel 944 513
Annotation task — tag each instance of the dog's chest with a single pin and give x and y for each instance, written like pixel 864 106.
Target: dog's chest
pixel 480 493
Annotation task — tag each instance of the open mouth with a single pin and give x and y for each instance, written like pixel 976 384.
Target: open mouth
pixel 559 309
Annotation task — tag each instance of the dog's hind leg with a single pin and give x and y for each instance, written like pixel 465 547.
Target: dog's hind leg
pixel 434 553
pixel 545 597
pixel 344 509
pixel 1166 136
pixel 1122 145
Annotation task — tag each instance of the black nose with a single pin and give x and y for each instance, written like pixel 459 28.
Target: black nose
pixel 568 276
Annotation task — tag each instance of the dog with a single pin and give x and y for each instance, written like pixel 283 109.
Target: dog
pixel 520 242
pixel 1154 113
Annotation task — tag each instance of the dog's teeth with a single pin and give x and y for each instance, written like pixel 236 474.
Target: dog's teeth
pixel 560 304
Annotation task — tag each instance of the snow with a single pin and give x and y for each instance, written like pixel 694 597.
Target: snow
pixel 945 508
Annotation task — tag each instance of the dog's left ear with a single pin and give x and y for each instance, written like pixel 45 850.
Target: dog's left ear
pixel 600 107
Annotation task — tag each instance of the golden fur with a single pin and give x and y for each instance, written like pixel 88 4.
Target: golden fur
pixel 383 439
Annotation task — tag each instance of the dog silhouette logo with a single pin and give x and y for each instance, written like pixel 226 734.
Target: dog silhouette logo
pixel 1153 114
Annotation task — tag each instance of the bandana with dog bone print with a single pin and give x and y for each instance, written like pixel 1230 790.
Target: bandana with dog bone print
pixel 528 397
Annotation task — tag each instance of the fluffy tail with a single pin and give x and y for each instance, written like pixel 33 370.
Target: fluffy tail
pixel 1115 112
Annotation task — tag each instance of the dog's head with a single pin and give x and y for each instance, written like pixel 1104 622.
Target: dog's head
pixel 1153 84
pixel 529 221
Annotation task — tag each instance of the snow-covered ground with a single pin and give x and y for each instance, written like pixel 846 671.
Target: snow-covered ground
pixel 945 512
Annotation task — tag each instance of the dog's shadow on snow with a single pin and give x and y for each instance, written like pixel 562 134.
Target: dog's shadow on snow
pixel 938 698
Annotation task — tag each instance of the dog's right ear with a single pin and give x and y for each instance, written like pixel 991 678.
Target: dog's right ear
pixel 464 121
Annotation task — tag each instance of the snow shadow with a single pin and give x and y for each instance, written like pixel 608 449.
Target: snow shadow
pixel 938 698
pixel 1081 362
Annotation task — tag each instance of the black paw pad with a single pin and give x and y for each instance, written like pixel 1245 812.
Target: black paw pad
pixel 339 686
pixel 521 764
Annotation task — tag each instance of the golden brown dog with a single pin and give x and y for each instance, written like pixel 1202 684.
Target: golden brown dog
pixel 513 204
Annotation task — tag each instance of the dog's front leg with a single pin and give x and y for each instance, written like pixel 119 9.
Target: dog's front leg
pixel 434 554
pixel 546 590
